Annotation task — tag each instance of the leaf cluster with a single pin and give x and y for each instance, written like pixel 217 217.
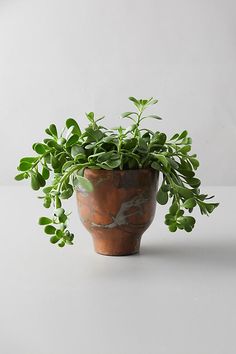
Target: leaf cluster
pixel 57 167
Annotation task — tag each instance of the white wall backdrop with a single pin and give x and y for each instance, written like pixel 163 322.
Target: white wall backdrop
pixel 64 57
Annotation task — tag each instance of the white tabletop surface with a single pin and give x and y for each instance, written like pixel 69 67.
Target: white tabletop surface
pixel 178 296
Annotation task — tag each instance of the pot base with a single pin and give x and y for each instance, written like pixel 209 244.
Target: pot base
pixel 112 246
pixel 117 255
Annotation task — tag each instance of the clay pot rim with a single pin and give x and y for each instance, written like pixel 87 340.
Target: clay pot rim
pixel 101 170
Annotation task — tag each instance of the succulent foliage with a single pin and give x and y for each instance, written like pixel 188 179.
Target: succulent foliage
pixel 59 162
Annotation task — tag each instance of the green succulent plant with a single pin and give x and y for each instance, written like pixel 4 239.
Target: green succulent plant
pixel 60 160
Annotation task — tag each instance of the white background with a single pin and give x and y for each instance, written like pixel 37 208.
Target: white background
pixel 62 58
pixel 59 59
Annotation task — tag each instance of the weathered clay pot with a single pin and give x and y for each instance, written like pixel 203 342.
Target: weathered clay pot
pixel 119 210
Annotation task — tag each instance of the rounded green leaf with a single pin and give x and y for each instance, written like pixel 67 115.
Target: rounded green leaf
pixel 61 141
pixel 156 166
pixel 163 160
pixel 57 202
pixel 53 129
pixel 44 221
pixel 189 203
pixel 41 180
pixel 174 208
pixel 40 148
pixel 50 230
pixel 172 227
pixel 83 184
pixel 162 197
pixel 47 202
pixel 185 149
pixel 35 184
pixel 183 135
pixel 72 140
pixel 54 239
pixel 72 123
pixel 184 192
pixel 194 162
pixel 193 182
pixel 20 176
pixel 77 149
pixel 24 166
pixel 67 193
pixel 29 159
pixel 45 172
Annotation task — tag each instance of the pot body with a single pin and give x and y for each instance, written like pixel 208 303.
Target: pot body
pixel 120 208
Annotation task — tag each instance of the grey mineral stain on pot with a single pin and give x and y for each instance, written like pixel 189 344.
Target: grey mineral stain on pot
pixel 123 214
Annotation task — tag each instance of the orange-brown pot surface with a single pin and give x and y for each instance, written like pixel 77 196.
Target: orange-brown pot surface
pixel 120 208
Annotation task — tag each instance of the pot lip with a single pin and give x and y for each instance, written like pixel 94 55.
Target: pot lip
pixel 101 170
pixel 120 172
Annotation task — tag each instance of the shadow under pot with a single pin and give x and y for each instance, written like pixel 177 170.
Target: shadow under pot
pixel 119 209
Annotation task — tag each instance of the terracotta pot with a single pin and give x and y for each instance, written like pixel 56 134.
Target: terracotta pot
pixel 119 210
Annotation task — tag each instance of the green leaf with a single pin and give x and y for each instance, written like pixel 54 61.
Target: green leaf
pixel 49 230
pixel 35 184
pixel 45 172
pixel 163 160
pixel 90 146
pixel 152 102
pixel 90 116
pixel 183 135
pixel 127 114
pixel 62 243
pixel 67 164
pixel 156 166
pixel 41 180
pixel 61 141
pixel 184 192
pixel 194 162
pixel 172 227
pixel 54 239
pixel 174 208
pixel 55 162
pixel 76 149
pixel 94 135
pixel 185 149
pixel 20 176
pixel 174 137
pixel 162 197
pixel 72 140
pixel 152 116
pixel 48 189
pixel 189 203
pixel 24 166
pixel 47 202
pixel 133 99
pixel 112 163
pixel 57 202
pixel 29 159
pixel 44 221
pixel 68 192
pixel 174 164
pixel 59 233
pixel 211 206
pixel 72 123
pixel 53 130
pixel 83 184
pixel 193 182
pixel 186 173
pixel 53 144
pixel 40 148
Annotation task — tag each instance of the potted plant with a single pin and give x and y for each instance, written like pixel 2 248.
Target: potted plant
pixel 115 174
